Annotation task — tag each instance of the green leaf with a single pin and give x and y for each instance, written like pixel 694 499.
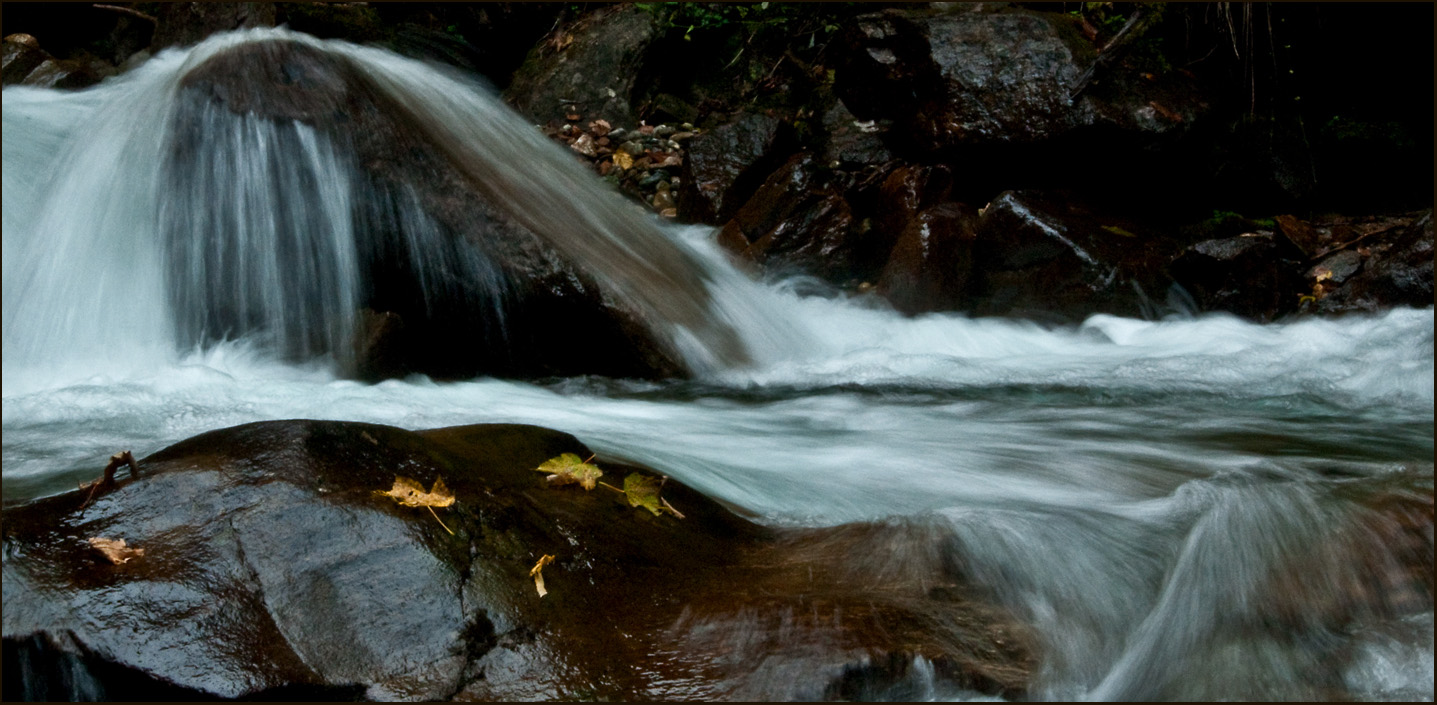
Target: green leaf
pixel 643 491
pixel 568 469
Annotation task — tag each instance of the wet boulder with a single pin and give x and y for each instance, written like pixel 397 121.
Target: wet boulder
pixel 963 78
pixel 1254 275
pixel 725 165
pixel 589 68
pixel 186 23
pixel 262 561
pixel 21 55
pixel 1373 265
pixel 26 63
pixel 931 266
pixel 1052 258
pixel 851 142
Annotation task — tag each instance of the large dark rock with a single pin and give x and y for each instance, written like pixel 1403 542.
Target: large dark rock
pixel 481 279
pixel 589 68
pixel 962 78
pixel 798 223
pixel 186 23
pixel 271 568
pixel 931 267
pixel 27 64
pixel 724 166
pixel 1050 258
pixel 1254 275
pixel 1383 264
pixel 21 55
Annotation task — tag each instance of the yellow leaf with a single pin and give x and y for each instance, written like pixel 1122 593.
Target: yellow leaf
pixel 1322 273
pixel 411 494
pixel 623 160
pixel 537 572
pixel 643 491
pixel 115 550
pixel 568 469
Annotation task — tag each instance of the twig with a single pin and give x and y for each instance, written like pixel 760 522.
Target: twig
pixel 441 521
pixel 107 480
pixel 1108 52
pixel 127 11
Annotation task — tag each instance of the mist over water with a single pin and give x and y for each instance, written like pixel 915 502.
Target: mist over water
pixel 1182 508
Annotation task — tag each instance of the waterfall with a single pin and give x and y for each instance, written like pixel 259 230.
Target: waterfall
pixel 263 185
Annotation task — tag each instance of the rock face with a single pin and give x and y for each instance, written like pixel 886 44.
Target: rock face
pixel 962 78
pixel 590 69
pixel 1040 255
pixel 186 23
pixel 25 63
pixel 1253 275
pixel 725 165
pixel 271 567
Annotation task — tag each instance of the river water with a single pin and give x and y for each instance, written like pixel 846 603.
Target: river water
pixel 1195 507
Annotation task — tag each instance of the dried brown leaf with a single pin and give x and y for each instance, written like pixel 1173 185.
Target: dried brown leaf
pixel 537 572
pixel 115 549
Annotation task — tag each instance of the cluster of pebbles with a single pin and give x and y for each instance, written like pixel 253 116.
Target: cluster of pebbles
pixel 643 162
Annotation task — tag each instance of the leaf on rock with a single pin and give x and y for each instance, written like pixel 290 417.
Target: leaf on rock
pixel 115 550
pixel 568 469
pixel 623 160
pixel 411 494
pixel 537 572
pixel 643 491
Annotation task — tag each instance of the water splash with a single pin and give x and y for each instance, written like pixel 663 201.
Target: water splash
pixel 204 198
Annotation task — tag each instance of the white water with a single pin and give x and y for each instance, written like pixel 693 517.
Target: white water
pixel 1129 488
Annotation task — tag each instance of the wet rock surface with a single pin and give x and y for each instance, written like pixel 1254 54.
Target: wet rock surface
pixel 272 566
pixel 725 165
pixel 589 68
pixel 963 78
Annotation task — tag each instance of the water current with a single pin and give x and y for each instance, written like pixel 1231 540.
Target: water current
pixel 1174 505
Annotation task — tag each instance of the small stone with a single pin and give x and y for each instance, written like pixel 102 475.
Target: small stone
pixel 664 131
pixel 681 136
pixel 584 145
pixel 669 212
pixel 617 133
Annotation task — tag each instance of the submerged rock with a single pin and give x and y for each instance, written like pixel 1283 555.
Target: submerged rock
pixel 272 567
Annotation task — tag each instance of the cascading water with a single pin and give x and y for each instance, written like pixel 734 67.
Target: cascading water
pixel 1192 508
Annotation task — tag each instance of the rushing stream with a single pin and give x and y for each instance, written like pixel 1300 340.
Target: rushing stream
pixel 1179 507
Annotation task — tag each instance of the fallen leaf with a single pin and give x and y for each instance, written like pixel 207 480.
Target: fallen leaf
pixel 568 469
pixel 537 573
pixel 623 160
pixel 411 494
pixel 643 491
pixel 115 550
